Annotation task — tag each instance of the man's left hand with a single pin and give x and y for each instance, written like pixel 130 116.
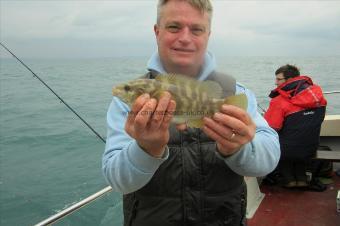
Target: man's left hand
pixel 231 128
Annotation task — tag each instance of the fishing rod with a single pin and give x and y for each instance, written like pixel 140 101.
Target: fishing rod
pixel 87 200
pixel 262 109
pixel 61 99
pixel 331 92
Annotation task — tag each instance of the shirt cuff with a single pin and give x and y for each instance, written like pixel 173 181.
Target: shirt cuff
pixel 236 158
pixel 142 161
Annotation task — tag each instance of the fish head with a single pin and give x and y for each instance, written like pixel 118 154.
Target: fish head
pixel 128 92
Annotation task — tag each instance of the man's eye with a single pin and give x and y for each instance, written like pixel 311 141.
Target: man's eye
pixel 173 28
pixel 197 31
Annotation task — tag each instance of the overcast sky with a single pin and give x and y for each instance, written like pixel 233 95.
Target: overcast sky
pixel 125 28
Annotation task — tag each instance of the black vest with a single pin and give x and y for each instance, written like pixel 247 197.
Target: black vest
pixel 193 186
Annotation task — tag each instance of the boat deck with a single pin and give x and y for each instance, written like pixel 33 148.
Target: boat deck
pixel 296 207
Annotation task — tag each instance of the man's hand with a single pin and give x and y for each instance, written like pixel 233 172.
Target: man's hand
pixel 148 122
pixel 231 128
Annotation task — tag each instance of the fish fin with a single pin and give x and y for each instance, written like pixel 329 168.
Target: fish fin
pixel 211 88
pixel 239 100
pixel 171 78
pixel 195 123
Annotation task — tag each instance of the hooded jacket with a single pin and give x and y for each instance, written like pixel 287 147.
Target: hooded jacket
pixel 296 111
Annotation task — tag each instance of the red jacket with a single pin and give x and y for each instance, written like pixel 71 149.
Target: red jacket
pixel 295 95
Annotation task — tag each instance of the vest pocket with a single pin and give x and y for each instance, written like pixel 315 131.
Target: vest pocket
pixel 224 209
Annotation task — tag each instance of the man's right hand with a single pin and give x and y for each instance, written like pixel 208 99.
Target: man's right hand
pixel 148 122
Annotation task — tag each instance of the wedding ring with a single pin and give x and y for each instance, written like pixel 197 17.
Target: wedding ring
pixel 232 136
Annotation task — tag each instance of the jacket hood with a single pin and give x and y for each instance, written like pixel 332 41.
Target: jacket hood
pixel 300 91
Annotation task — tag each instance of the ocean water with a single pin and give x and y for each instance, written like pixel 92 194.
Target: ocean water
pixel 49 159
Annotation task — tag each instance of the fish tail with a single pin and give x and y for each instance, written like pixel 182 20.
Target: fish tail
pixel 239 100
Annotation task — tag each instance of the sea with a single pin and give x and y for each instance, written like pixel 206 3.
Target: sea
pixel 49 158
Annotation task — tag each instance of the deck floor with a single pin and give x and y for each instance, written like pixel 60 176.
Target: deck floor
pixel 294 207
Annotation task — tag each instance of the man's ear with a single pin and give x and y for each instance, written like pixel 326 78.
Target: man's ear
pixel 156 29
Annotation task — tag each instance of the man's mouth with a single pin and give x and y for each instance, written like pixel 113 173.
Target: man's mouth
pixel 184 50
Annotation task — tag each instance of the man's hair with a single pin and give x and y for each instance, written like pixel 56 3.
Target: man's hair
pixel 202 5
pixel 289 71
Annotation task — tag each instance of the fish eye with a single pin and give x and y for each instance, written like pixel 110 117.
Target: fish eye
pixel 127 88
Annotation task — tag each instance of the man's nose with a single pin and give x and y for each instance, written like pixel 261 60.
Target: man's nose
pixel 185 35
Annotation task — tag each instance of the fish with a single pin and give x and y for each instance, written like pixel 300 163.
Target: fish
pixel 194 99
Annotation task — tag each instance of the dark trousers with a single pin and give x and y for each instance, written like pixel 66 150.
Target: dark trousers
pixel 292 170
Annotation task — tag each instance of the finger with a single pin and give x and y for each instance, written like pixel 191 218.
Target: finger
pixel 231 122
pixel 169 114
pixel 160 111
pixel 222 141
pixel 144 115
pixel 243 116
pixel 136 107
pixel 236 112
pixel 219 128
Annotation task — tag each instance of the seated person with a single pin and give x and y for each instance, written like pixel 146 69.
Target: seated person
pixel 296 112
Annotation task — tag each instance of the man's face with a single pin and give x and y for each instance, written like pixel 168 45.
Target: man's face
pixel 182 36
pixel 280 79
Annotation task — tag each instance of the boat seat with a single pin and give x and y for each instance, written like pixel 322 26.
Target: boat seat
pixel 333 156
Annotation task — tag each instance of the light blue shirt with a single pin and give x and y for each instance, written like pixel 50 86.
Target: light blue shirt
pixel 127 167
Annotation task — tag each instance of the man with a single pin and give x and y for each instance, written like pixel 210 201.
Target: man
pixel 186 176
pixel 296 112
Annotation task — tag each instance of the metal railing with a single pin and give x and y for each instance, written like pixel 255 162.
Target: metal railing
pixel 331 92
pixel 71 209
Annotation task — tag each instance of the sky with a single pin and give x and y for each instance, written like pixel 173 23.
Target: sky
pixel 104 28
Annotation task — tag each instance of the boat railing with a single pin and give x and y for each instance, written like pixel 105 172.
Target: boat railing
pixel 54 218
